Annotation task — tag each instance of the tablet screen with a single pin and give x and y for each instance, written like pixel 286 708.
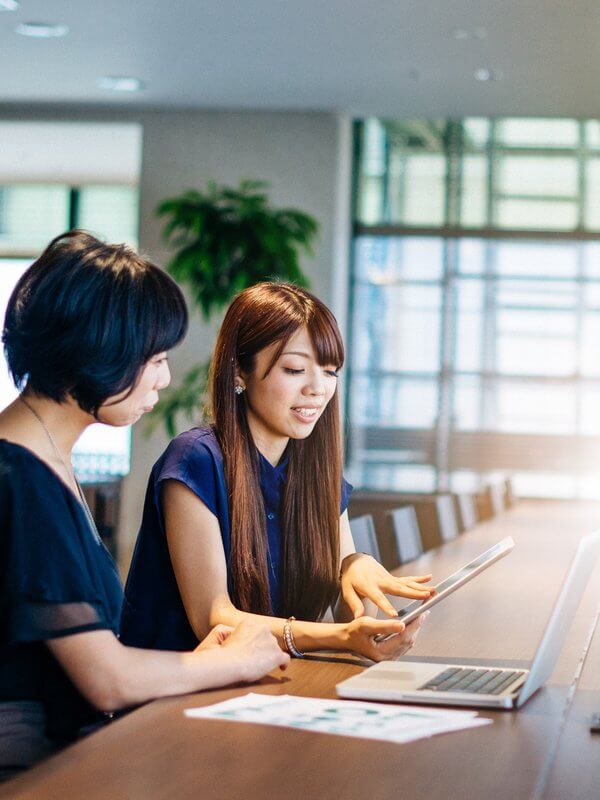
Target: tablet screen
pixel 463 575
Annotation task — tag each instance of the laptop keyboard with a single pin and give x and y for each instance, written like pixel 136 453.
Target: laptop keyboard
pixel 474 681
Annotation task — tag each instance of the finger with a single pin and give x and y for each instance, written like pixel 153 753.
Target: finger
pixel 374 627
pixel 284 661
pixel 402 590
pixel 397 585
pixel 396 646
pixel 222 632
pixel 382 602
pixel 353 602
pixel 418 578
pixel 422 591
pixel 417 585
pixel 416 624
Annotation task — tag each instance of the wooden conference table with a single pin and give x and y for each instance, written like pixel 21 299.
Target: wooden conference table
pixel 542 751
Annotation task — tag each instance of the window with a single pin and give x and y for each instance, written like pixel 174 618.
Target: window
pixel 30 215
pixel 476 305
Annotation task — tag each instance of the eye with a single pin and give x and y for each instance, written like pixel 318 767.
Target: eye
pixel 333 372
pixel 291 371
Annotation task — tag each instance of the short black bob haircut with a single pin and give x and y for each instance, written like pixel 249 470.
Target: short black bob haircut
pixel 85 318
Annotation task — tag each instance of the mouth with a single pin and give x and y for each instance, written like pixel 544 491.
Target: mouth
pixel 306 413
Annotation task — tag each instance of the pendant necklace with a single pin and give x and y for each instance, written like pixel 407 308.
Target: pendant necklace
pixel 70 472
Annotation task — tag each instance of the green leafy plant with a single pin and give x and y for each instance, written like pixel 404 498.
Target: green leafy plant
pixel 225 240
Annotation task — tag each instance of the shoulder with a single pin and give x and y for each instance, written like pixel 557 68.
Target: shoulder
pixel 43 527
pixel 191 451
pixel 195 439
pixel 22 472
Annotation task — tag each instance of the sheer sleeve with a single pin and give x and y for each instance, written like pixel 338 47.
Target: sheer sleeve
pixel 49 587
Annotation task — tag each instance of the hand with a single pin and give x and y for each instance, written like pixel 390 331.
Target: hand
pixel 217 636
pixel 256 650
pixel 360 637
pixel 407 641
pixel 362 576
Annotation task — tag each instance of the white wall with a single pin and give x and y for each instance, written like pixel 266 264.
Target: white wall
pixel 300 155
pixel 306 157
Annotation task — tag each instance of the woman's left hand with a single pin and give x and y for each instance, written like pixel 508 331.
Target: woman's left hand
pixel 397 646
pixel 361 637
pixel 364 577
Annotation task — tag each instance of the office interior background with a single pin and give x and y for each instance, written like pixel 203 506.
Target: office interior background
pixel 450 153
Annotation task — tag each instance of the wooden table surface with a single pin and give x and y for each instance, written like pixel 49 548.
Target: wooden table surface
pixel 544 751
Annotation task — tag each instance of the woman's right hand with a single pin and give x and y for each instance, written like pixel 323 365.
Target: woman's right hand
pixel 254 648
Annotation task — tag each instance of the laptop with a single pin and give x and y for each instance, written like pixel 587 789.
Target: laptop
pixel 469 685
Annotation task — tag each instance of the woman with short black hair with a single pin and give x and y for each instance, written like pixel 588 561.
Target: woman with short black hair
pixel 86 336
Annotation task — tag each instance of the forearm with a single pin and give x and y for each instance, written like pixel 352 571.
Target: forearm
pixel 146 674
pixel 307 635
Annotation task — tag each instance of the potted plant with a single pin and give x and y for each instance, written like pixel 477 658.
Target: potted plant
pixel 225 240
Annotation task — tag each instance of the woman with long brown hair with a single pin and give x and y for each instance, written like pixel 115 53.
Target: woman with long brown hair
pixel 248 516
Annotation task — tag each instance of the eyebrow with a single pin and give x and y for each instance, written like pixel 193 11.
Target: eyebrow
pixel 296 353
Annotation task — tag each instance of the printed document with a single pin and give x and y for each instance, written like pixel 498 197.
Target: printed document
pixel 390 723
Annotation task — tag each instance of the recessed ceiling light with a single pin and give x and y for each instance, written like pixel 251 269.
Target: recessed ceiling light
pixel 8 5
pixel 487 74
pixel 464 33
pixel 41 30
pixel 120 83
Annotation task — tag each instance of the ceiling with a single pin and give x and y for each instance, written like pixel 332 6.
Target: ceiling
pixel 362 57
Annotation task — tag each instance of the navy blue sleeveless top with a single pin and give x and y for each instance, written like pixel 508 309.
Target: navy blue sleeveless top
pixel 153 612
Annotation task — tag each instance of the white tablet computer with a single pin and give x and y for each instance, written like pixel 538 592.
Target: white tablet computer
pixel 454 582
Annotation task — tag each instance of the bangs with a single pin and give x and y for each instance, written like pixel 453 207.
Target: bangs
pixel 323 331
pixel 326 338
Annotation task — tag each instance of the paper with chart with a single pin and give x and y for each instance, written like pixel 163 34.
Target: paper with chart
pixel 390 723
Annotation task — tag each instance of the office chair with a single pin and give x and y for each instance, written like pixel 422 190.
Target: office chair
pixel 364 536
pixel 406 533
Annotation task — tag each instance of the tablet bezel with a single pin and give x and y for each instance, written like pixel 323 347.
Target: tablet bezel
pixel 454 581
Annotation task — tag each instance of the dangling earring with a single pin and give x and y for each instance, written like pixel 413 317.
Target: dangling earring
pixel 238 389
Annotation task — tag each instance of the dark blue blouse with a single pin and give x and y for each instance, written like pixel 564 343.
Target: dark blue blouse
pixel 153 612
pixel 56 579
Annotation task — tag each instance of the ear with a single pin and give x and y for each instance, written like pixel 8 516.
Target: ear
pixel 239 380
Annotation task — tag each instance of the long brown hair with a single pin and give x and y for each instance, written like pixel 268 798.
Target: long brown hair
pixel 264 314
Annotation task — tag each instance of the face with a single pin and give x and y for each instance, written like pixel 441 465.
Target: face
pixel 127 410
pixel 287 403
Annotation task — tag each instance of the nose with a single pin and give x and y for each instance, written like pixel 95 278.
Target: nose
pixel 316 383
pixel 163 378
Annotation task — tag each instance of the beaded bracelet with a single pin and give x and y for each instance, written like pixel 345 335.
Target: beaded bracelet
pixel 288 638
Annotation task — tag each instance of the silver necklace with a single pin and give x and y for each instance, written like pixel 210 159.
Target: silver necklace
pixel 69 470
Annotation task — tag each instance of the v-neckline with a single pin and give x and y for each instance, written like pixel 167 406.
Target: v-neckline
pixel 47 466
